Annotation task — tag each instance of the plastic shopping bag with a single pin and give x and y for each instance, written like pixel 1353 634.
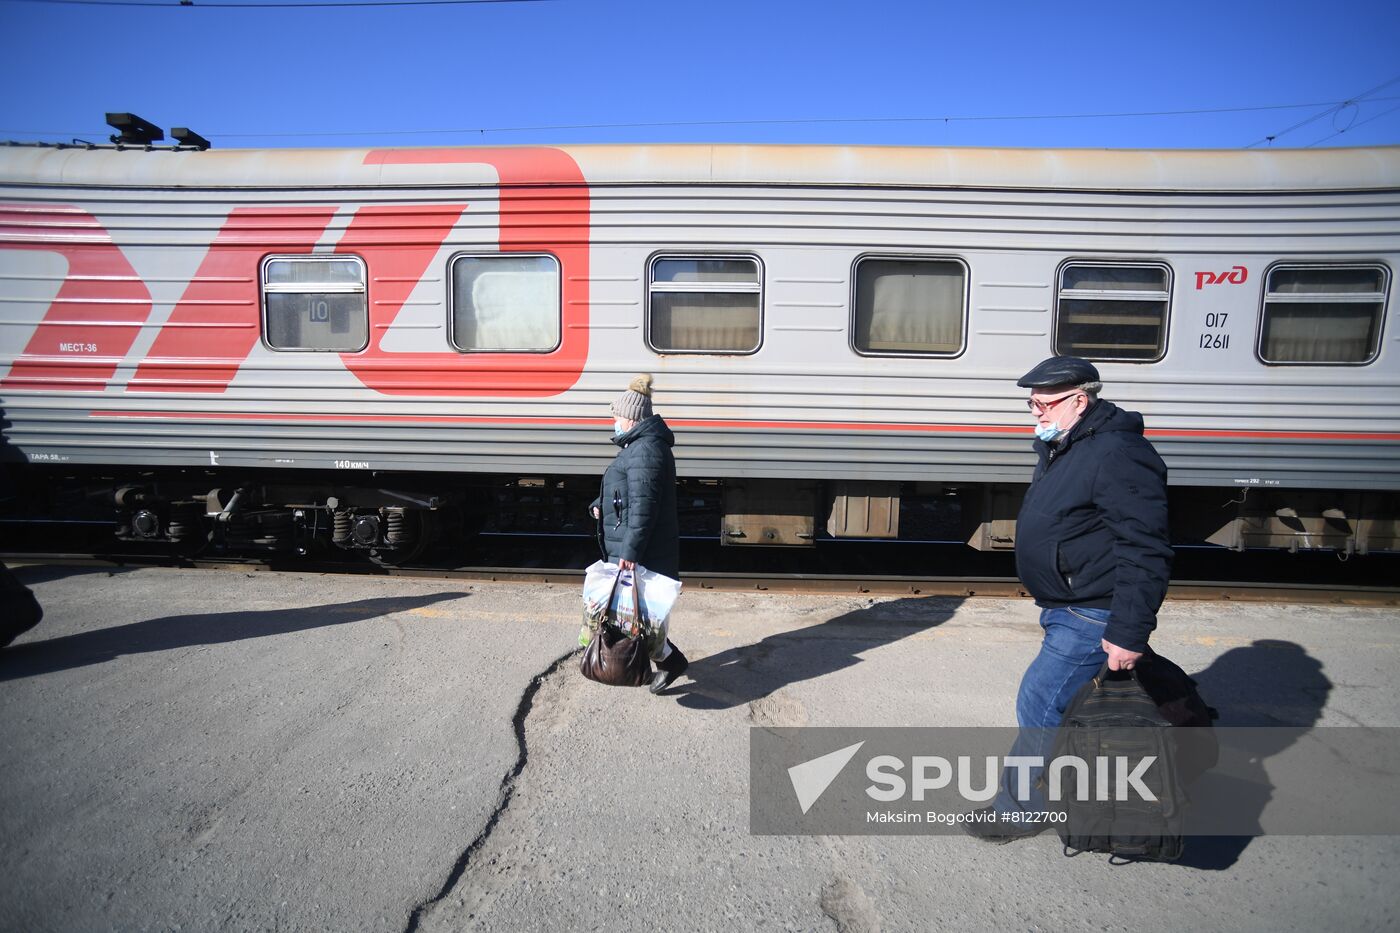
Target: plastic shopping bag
pixel 658 595
pixel 599 586
pixel 610 596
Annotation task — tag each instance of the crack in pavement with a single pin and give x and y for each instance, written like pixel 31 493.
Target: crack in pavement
pixel 508 784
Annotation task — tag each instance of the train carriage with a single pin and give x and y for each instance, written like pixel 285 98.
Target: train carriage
pixel 282 347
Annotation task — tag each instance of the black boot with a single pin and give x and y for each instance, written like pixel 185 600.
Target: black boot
pixel 668 670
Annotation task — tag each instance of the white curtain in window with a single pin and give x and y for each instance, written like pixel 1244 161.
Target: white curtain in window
pixel 509 309
pixel 913 307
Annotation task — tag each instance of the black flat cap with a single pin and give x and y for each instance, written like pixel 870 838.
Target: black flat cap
pixel 1059 371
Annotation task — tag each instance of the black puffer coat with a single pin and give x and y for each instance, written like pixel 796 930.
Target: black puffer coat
pixel 637 500
pixel 1093 527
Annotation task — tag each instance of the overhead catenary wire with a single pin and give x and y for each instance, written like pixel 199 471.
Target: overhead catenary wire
pixel 1333 105
pixel 1331 109
pixel 1355 125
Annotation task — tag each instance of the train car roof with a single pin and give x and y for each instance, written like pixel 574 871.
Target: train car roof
pixel 1232 170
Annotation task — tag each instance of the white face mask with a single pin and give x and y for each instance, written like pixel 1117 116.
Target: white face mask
pixel 1053 431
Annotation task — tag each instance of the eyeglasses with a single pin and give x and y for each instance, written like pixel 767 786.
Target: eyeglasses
pixel 1039 407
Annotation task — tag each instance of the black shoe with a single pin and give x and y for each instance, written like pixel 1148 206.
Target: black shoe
pixel 989 827
pixel 668 670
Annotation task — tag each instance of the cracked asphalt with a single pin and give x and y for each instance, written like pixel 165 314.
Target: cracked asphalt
pixel 258 751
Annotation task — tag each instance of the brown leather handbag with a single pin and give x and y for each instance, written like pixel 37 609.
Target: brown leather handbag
pixel 614 658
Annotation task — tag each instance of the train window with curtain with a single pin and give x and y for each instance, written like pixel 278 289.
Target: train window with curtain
pixel 1113 311
pixel 315 303
pixel 704 304
pixel 505 303
pixel 909 306
pixel 1322 314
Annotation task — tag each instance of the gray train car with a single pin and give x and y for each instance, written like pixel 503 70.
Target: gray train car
pixel 285 346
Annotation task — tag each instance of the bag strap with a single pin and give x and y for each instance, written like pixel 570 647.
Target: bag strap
pixel 1103 673
pixel 642 621
pixel 607 604
pixel 641 605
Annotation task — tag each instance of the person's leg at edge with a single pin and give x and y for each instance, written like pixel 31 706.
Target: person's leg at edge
pixel 670 662
pixel 1071 653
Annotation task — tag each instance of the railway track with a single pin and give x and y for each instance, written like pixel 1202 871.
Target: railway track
pixel 745 581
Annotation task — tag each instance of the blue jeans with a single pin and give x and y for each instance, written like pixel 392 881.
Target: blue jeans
pixel 1070 655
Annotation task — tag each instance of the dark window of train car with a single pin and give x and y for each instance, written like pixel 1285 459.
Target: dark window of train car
pixel 315 303
pixel 1113 311
pixel 909 306
pixel 505 303
pixel 704 304
pixel 1322 314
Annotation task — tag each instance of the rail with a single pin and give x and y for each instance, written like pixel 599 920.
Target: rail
pixel 790 583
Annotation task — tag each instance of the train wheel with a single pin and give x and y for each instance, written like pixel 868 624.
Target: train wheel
pixel 409 533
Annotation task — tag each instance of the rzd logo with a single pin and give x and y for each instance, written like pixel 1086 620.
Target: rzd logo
pixel 1237 275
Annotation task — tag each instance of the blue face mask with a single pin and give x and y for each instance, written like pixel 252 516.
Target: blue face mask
pixel 1050 432
pixel 618 429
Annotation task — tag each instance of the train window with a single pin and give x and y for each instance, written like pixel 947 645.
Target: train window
pixel 506 302
pixel 315 303
pixel 704 304
pixel 1322 314
pixel 1113 311
pixel 909 306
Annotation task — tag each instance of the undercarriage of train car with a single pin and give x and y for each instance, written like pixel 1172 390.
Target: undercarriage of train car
pixel 984 515
pixel 196 512
pixel 1345 521
pixel 400 518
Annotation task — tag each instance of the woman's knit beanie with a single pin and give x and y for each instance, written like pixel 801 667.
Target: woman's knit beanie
pixel 635 403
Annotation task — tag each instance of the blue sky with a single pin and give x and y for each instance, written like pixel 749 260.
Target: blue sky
pixel 880 72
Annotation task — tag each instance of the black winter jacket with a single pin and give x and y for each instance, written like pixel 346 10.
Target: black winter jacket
pixel 1093 527
pixel 637 501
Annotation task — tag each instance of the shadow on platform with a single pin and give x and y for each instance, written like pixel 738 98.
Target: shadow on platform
pixel 746 673
pixel 1268 683
pixel 35 658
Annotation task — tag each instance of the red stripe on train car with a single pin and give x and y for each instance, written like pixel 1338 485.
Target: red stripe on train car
pixel 544 207
pixel 219 309
pixel 703 423
pixel 93 319
pixel 844 426
pixel 1280 435
pixel 397 242
pixel 372 418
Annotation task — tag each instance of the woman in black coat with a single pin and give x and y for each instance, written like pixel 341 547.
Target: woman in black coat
pixel 636 505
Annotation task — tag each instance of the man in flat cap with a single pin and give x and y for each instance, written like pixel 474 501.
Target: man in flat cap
pixel 1092 547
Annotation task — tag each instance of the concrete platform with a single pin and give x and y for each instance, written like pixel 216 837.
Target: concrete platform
pixel 196 750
